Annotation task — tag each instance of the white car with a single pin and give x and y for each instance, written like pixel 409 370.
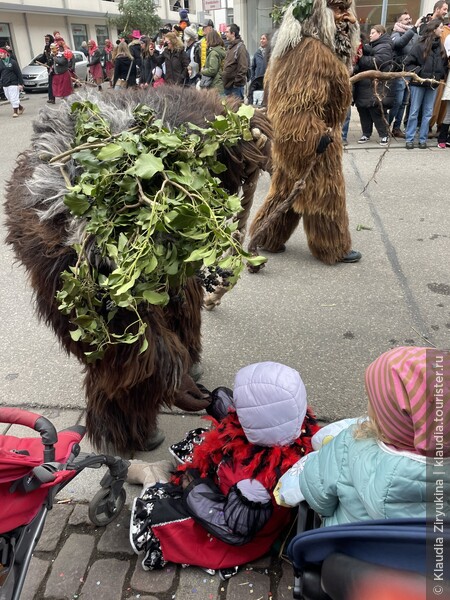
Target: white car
pixel 35 76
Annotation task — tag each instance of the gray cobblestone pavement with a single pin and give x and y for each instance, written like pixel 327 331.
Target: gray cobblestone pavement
pixel 76 560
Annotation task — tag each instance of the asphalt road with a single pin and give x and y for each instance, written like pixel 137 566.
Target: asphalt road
pixel 327 322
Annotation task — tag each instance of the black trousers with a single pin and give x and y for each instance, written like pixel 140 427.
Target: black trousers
pixel 370 117
pixel 50 87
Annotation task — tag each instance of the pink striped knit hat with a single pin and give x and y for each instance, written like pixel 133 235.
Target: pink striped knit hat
pixel 410 398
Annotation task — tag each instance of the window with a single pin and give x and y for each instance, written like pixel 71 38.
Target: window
pixel 5 36
pixel 101 31
pixel 79 34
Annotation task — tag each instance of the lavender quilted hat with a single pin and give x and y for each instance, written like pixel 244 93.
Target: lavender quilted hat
pixel 270 401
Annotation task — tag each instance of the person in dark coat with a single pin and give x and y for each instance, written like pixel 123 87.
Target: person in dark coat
pixel 404 35
pixel 135 49
pixel 378 54
pixel 44 59
pixel 174 59
pixel 258 67
pixel 149 62
pixel 11 81
pixel 429 60
pixel 123 66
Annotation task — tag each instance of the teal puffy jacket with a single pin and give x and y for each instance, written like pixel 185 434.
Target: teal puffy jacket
pixel 352 480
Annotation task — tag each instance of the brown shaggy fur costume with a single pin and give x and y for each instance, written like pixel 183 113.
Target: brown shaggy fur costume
pixel 308 96
pixel 126 389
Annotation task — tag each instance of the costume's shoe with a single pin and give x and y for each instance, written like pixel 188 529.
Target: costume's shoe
pixel 196 372
pixel 154 440
pixel 352 257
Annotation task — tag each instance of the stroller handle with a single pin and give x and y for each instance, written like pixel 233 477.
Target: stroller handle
pixel 37 422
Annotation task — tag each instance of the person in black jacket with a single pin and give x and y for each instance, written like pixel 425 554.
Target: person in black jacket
pixel 174 59
pixel 429 60
pixel 149 62
pixel 404 35
pixel 123 67
pixel 378 54
pixel 45 59
pixel 11 81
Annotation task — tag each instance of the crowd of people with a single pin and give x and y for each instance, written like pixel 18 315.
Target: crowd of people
pixel 183 54
pixel 423 49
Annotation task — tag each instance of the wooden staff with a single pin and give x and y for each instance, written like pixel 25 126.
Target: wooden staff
pixel 386 75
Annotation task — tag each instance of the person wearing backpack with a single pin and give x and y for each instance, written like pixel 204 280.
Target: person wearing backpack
pixel 236 64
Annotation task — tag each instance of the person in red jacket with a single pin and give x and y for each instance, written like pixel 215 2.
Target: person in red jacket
pixel 218 510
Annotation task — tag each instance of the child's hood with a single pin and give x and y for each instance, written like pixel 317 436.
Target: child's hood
pixel 270 401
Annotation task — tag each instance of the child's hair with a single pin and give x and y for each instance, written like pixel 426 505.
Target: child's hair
pixel 367 427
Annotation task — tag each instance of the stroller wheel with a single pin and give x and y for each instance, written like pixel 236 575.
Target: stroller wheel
pixel 104 508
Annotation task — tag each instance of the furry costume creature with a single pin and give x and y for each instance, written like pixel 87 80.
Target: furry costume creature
pixel 218 511
pixel 126 389
pixel 309 93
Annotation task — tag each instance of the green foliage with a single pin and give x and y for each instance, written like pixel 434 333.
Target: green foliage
pixel 154 212
pixel 136 14
pixel 302 10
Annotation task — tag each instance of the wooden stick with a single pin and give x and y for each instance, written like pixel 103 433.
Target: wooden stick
pixel 386 75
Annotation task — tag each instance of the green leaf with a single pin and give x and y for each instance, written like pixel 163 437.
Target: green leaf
pixel 209 149
pixel 111 152
pixel 246 110
pixel 256 260
pixel 146 166
pixel 76 334
pixel 123 241
pixel 150 265
pixel 158 298
pixel 76 203
pixel 198 254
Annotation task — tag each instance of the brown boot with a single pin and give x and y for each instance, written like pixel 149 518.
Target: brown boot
pixel 398 133
pixel 15 113
pixel 20 109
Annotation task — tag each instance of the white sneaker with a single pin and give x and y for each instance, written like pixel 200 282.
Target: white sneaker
pixel 363 139
pixel 384 141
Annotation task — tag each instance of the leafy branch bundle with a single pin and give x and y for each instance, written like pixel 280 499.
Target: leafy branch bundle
pixel 155 214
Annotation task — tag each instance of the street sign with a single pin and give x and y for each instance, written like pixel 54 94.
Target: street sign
pixel 211 5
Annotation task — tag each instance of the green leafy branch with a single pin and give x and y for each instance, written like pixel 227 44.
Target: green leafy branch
pixel 155 214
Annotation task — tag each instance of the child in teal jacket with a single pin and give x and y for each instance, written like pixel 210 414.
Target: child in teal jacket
pixel 383 467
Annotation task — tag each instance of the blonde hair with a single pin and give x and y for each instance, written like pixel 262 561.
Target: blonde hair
pixel 175 39
pixel 368 428
pixel 122 48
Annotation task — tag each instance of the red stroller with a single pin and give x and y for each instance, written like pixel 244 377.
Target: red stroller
pixel 32 472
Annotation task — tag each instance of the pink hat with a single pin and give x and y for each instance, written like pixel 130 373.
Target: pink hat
pixel 3 51
pixel 409 392
pixel 136 34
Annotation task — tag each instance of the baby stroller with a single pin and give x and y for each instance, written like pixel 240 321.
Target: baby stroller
pixel 330 563
pixel 32 472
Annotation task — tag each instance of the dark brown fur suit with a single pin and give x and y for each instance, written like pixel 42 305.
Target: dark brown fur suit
pixel 126 389
pixel 309 93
